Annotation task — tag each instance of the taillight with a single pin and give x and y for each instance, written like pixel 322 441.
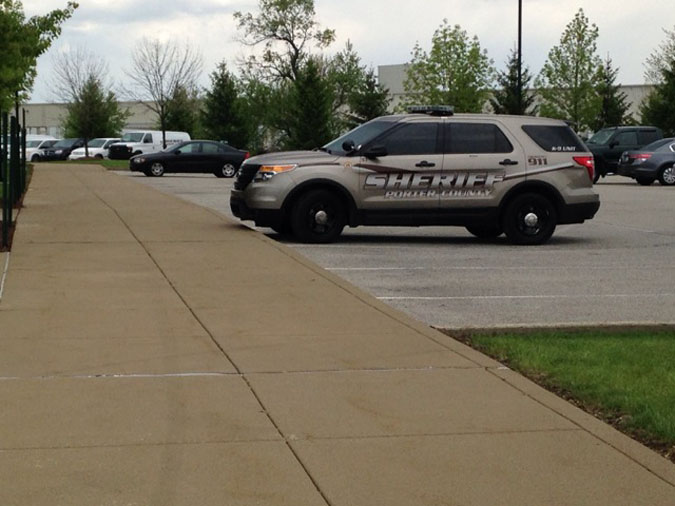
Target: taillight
pixel 640 157
pixel 247 156
pixel 588 162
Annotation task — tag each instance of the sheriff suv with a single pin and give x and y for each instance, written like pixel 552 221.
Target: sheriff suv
pixel 492 174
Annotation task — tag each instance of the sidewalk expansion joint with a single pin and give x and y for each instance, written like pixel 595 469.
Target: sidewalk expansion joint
pixel 4 275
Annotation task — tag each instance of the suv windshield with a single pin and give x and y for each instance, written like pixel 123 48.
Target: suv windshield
pixel 601 137
pixel 96 143
pixel 65 143
pixel 359 136
pixel 132 137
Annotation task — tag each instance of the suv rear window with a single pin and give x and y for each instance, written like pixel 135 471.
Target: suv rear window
pixel 647 136
pixel 554 138
pixel 475 138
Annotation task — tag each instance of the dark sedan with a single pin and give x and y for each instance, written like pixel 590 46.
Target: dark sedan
pixel 192 156
pixel 654 161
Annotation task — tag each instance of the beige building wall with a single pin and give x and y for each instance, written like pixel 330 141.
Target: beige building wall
pixel 48 118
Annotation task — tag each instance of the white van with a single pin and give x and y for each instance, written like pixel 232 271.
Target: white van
pixel 135 142
pixel 35 143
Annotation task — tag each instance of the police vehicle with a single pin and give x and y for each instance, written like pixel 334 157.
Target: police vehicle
pixel 493 174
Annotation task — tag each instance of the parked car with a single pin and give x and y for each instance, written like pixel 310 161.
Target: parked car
pixel 138 142
pixel 654 161
pixel 492 174
pixel 35 144
pixel 194 156
pixel 98 148
pixel 61 150
pixel 608 144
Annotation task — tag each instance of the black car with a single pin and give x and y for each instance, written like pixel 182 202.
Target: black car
pixel 61 150
pixel 654 161
pixel 192 156
pixel 608 144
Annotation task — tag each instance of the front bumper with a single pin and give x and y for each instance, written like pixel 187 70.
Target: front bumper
pixel 261 217
pixel 635 171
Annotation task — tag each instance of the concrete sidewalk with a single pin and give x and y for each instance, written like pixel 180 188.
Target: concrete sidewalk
pixel 154 353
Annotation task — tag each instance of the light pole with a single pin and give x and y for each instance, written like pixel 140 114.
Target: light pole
pixel 520 56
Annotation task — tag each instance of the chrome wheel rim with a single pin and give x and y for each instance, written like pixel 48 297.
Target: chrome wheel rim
pixel 157 169
pixel 669 175
pixel 229 170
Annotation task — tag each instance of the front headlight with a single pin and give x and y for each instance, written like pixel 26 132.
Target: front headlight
pixel 267 172
pixel 139 159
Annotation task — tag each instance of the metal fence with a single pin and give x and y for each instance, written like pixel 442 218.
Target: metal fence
pixel 12 170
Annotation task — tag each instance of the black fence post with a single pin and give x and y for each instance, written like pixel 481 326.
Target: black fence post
pixel 6 202
pixel 24 163
pixel 14 160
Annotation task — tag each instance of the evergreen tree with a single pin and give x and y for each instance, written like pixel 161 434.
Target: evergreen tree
pixel 567 81
pixel 659 106
pixel 224 110
pixel 369 100
pixel 94 113
pixel 182 112
pixel 455 72
pixel 505 100
pixel 613 109
pixel 310 101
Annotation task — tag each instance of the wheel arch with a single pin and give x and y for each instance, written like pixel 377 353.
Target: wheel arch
pixel 540 187
pixel 321 184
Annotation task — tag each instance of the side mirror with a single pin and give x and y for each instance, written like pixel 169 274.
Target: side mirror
pixel 348 146
pixel 375 151
pixel 177 152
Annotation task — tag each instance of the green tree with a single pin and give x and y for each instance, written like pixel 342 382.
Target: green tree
pixel 224 110
pixel 455 72
pixel 369 100
pixel 505 100
pixel 182 112
pixel 94 112
pixel 310 101
pixel 658 109
pixel 660 59
pixel 568 80
pixel 22 42
pixel 287 30
pixel 613 109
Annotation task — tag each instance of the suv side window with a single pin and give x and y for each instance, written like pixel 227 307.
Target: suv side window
pixel 554 138
pixel 474 138
pixel 411 139
pixel 626 139
pixel 647 136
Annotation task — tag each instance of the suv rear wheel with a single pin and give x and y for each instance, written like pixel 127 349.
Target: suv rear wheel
pixel 530 218
pixel 318 216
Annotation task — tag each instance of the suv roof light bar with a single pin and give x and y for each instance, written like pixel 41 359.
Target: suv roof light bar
pixel 432 110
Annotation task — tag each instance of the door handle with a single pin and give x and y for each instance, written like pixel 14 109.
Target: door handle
pixel 424 163
pixel 508 161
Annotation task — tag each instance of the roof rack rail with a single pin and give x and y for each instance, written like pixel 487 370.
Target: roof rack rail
pixel 432 110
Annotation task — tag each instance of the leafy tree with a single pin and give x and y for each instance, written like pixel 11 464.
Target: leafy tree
pixel 369 100
pixel 659 61
pixel 613 109
pixel 505 99
pixel 80 80
pixel 287 30
pixel 224 110
pixel 94 112
pixel 22 42
pixel 182 112
pixel 455 72
pixel 158 71
pixel 659 106
pixel 310 101
pixel 568 80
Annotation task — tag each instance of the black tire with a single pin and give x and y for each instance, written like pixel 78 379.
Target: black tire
pixel 318 216
pixel 156 169
pixel 35 158
pixel 529 219
pixel 485 231
pixel 644 181
pixel 227 170
pixel 98 157
pixel 282 229
pixel 667 175
pixel 596 176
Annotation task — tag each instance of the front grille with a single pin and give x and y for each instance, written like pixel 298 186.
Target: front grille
pixel 245 175
pixel 119 152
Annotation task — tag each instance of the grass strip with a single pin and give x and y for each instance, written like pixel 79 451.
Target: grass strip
pixel 625 377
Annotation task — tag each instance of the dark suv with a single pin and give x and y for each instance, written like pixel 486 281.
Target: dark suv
pixel 62 149
pixel 608 144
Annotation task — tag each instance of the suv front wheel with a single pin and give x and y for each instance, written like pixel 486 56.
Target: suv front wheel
pixel 318 216
pixel 530 218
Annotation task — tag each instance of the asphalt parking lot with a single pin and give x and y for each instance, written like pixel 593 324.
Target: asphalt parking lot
pixel 617 268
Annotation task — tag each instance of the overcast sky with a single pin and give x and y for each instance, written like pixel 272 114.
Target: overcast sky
pixel 383 31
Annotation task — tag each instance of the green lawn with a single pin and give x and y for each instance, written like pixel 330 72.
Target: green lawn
pixel 108 164
pixel 626 377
